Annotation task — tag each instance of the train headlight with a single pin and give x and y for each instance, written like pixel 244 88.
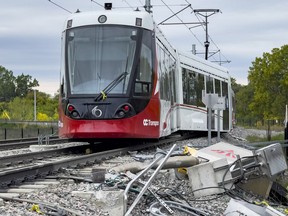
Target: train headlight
pixel 124 111
pixel 74 114
pixel 121 113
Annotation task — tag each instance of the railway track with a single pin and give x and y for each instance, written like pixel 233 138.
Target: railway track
pixel 24 143
pixel 73 189
pixel 40 164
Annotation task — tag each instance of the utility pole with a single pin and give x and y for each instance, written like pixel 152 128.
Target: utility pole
pixel 148 6
pixel 206 13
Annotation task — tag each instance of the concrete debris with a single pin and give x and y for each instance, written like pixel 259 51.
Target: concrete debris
pixel 110 201
pixel 98 175
pixel 172 162
pixel 229 163
pixel 209 171
pixel 1 202
pixel 223 150
pixel 238 207
pixel 210 175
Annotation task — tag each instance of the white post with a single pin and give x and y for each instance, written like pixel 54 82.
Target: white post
pixel 35 113
pixel 209 118
pixel 218 125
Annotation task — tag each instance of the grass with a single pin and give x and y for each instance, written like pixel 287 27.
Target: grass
pixel 252 139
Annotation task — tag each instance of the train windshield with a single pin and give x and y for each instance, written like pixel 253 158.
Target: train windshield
pixel 96 55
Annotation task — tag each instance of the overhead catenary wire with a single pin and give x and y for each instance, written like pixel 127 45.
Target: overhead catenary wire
pixel 59 6
pixel 97 3
pixel 182 21
pixel 189 28
pixel 128 4
pixel 165 5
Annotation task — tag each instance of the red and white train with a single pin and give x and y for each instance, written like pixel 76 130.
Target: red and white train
pixel 120 78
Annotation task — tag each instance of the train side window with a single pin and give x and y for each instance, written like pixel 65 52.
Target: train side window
pixel 225 92
pixel 192 97
pixel 193 84
pixel 62 87
pixel 144 77
pixel 209 84
pixel 224 89
pixel 200 85
pixel 217 87
pixel 173 84
pixel 185 86
pixel 226 111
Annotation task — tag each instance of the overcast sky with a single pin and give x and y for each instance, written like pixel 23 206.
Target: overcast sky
pixel 30 32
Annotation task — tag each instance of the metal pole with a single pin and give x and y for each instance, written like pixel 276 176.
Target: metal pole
pixel 218 125
pixel 206 43
pixel 209 119
pixel 125 196
pixel 148 6
pixel 35 114
pixel 206 15
pixel 150 181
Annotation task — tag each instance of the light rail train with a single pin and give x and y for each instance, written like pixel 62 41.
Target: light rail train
pixel 121 78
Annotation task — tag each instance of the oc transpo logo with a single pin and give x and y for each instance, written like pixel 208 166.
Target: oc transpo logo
pixel 148 122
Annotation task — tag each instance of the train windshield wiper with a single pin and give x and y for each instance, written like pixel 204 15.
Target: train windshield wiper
pixel 103 94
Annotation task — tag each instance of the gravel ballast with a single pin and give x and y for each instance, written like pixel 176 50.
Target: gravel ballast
pixel 61 194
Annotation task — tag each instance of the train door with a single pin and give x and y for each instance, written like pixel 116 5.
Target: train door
pixel 173 116
pixel 165 95
pixel 210 90
pixel 226 112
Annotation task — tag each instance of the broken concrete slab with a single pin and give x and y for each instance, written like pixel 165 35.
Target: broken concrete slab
pixel 223 150
pixel 239 207
pixel 207 178
pixel 110 201
pixel 265 163
pixel 83 194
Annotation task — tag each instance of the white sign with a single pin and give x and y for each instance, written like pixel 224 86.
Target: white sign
pixel 220 105
pixel 216 102
pixel 212 98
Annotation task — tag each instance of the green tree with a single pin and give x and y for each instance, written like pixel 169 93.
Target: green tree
pixel 235 86
pixel 11 86
pixel 269 77
pixel 24 84
pixel 21 109
pixel 7 84
pixel 244 112
pixel 46 105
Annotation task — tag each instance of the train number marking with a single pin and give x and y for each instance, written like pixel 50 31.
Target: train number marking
pixel 96 112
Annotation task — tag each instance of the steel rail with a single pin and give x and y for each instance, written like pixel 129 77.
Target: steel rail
pixel 23 143
pixel 39 155
pixel 40 170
